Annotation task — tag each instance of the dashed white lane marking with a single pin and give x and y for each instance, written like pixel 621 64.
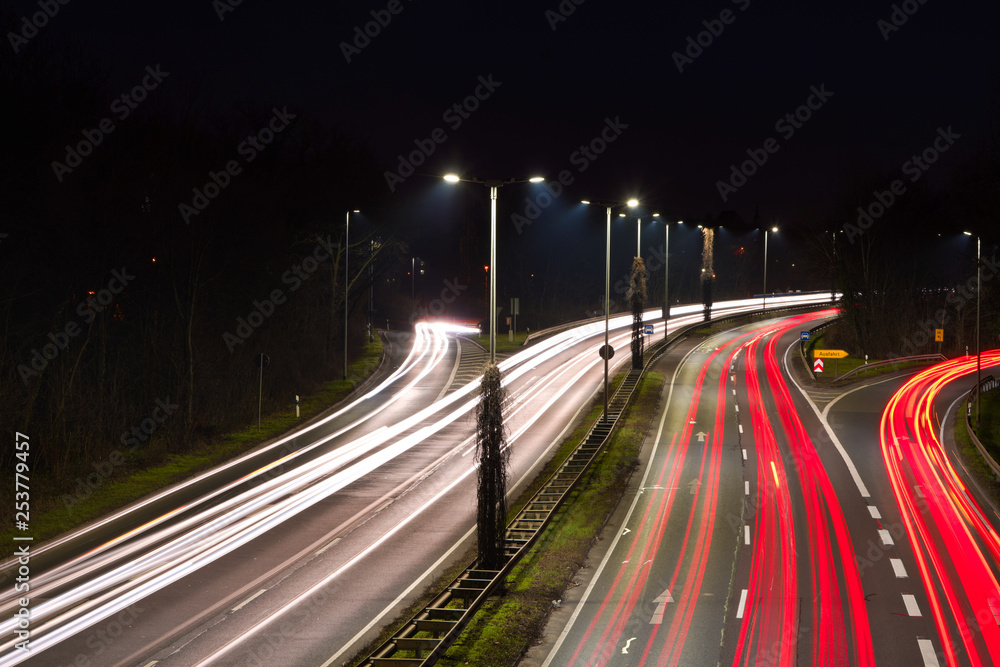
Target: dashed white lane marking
pixel 249 600
pixel 737 407
pixel 743 604
pixel 927 653
pixel 150 663
pixel 886 537
pixel 734 392
pixel 920 493
pixel 874 512
pixel 330 544
pixel 746 534
pixel 744 455
pixel 898 568
pixel 746 488
pixel 741 429
pixel 911 605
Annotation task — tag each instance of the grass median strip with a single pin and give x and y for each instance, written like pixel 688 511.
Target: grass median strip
pixel 507 626
pixel 434 589
pixel 990 439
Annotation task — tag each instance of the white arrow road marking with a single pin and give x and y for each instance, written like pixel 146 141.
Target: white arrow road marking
pixel 627 531
pixel 625 648
pixel 701 436
pixel 661 606
pixel 693 486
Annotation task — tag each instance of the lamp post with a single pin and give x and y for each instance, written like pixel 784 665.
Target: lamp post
pixel 607 289
pixel 347 278
pixel 979 289
pixel 493 184
pixel 666 274
pixel 764 295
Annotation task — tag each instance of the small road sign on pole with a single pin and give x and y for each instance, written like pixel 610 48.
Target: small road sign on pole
pixel 818 366
pixel 648 329
pixel 939 335
pixel 804 335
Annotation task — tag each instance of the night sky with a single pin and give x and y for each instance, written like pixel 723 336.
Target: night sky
pixel 889 77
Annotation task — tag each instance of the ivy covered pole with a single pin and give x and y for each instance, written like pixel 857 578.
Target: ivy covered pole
pixel 637 302
pixel 493 459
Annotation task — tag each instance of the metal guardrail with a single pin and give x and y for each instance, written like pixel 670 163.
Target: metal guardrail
pixel 992 382
pixel 427 636
pixel 895 362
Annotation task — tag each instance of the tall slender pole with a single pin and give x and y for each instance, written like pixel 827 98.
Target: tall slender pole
pixel 979 358
pixel 260 388
pixel 371 291
pixel 413 283
pixel 493 274
pixel 638 237
pixel 607 308
pixel 764 295
pixel 347 253
pixel 666 280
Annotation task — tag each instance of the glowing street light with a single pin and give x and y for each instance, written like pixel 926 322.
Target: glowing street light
pixel 494 184
pixel 607 286
pixel 979 290
pixel 764 295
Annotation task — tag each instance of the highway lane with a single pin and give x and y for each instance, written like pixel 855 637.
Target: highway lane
pixel 736 548
pixel 195 575
pixel 953 539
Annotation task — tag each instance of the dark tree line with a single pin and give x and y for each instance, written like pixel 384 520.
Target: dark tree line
pixel 904 265
pixel 126 327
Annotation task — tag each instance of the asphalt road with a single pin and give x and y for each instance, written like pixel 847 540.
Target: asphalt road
pixel 781 544
pixel 297 554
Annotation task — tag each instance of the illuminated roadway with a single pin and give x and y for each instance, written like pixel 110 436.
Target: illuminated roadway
pixel 299 560
pixel 771 528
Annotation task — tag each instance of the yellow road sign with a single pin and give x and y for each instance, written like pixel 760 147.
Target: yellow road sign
pixel 939 335
pixel 829 354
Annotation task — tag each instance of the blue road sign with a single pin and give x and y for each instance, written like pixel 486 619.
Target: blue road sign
pixel 803 335
pixel 648 329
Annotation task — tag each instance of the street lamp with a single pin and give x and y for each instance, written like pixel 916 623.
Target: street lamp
pixel 494 184
pixel 666 272
pixel 979 290
pixel 607 288
pixel 347 277
pixel 638 228
pixel 764 295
